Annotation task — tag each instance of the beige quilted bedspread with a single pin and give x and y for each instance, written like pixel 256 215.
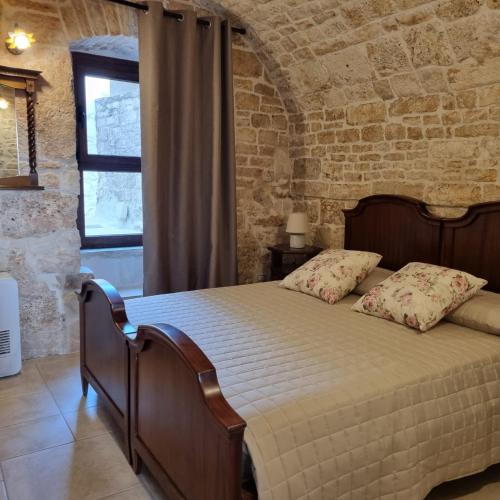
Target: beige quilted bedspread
pixel 338 404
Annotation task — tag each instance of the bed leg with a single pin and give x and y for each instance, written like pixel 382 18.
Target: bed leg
pixel 136 462
pixel 85 386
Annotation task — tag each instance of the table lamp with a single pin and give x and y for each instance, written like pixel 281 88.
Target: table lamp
pixel 297 228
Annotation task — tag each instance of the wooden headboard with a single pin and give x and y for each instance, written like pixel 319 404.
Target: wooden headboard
pixel 402 230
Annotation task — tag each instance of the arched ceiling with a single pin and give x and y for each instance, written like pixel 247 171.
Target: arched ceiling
pixel 327 53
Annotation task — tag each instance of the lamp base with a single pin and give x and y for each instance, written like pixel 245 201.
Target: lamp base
pixel 297 240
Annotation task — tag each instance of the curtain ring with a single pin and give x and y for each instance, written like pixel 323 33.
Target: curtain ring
pixel 180 19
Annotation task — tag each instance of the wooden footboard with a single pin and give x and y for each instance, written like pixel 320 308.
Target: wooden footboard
pixel 104 353
pixel 181 426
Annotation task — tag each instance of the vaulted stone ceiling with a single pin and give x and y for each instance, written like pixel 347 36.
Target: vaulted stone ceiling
pixel 326 53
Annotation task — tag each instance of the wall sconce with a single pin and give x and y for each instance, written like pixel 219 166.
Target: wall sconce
pixel 4 104
pixel 19 41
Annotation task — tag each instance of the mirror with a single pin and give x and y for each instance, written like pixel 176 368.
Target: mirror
pixel 9 161
pixel 14 84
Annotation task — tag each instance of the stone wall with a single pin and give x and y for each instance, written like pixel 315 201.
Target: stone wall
pixel 39 241
pixel 384 96
pixel 402 97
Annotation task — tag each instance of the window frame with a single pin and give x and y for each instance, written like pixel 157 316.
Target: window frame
pixel 115 69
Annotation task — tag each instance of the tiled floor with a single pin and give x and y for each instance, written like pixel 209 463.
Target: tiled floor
pixel 56 445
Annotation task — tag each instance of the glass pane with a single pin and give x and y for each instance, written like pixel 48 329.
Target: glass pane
pixel 113 117
pixel 113 203
pixel 8 133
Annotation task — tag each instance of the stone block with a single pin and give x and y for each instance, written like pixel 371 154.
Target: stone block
pixel 452 194
pixel 394 131
pixel 477 37
pixel 415 190
pixel 260 120
pixel 246 135
pixel 433 80
pixel 491 192
pixel 412 105
pixel 466 99
pixel 414 17
pixel 334 114
pixel 309 76
pixel 405 85
pixel 341 191
pixel 388 56
pixel 431 120
pixel 489 95
pixel 366 113
pixel 360 12
pixel 279 122
pixel 246 64
pixel 451 118
pixel 373 133
pixel 455 9
pixel 475 115
pixel 383 89
pixel 245 100
pixel 414 133
pixel 470 75
pixel 453 149
pixel 348 135
pixel 360 92
pixel 435 133
pixel 347 67
pixel 427 45
pixel 478 130
pixel 326 137
pixel 307 168
pixel 331 212
pixel 481 175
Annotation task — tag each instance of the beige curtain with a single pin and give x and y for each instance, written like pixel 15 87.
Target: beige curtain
pixel 188 157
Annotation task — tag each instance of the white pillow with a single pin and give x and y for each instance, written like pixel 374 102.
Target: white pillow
pixel 378 275
pixel 481 312
pixel 419 295
pixel 332 274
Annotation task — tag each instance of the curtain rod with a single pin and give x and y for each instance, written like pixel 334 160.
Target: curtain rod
pixel 168 13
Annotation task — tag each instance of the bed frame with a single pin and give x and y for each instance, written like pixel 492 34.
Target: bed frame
pixel 163 392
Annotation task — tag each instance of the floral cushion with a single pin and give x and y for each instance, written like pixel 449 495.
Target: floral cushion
pixel 419 295
pixel 332 274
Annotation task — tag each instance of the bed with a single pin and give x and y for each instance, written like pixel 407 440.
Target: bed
pixel 329 403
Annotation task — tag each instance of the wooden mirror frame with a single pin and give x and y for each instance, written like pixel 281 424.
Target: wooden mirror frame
pixel 23 79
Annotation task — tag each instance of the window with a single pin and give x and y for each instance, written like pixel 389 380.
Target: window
pixel 108 151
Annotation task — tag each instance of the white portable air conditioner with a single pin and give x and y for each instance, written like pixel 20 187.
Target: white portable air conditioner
pixel 10 337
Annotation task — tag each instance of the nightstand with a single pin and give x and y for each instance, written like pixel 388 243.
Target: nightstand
pixel 284 259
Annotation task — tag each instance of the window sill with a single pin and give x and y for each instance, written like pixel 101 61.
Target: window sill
pixel 21 188
pixel 111 249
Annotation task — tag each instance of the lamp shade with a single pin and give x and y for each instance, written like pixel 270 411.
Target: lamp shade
pixel 297 223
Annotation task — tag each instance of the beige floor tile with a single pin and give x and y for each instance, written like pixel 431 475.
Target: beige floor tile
pixel 88 422
pixel 27 382
pixel 26 407
pixel 67 393
pixel 33 436
pixel 137 493
pixel 88 469
pixel 151 485
pixel 59 367
pixel 3 493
